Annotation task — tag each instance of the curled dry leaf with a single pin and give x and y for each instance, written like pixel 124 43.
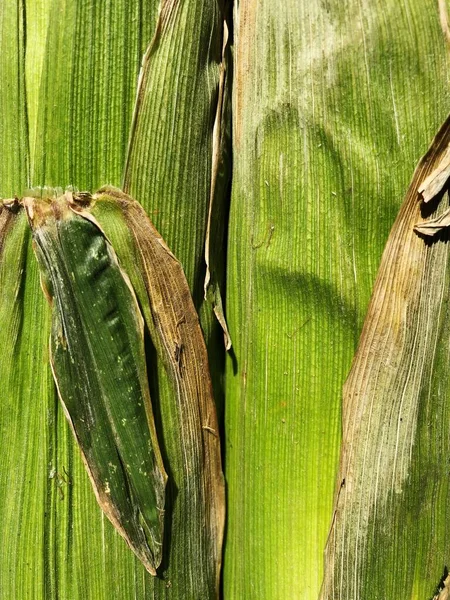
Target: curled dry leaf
pixel 444 593
pixel 437 179
pixel 6 219
pixel 433 185
pixel 434 226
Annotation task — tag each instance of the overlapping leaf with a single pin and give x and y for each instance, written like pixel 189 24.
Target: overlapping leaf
pixel 80 61
pixel 389 531
pixel 187 414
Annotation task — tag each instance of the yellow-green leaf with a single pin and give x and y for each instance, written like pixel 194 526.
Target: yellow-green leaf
pixel 334 103
pixel 81 61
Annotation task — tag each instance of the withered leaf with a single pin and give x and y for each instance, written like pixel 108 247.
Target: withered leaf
pixel 394 457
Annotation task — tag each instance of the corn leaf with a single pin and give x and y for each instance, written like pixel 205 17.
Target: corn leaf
pixel 26 425
pixel 170 161
pixel 81 91
pixel 14 167
pixel 334 103
pixel 26 433
pixel 98 362
pixel 390 529
pixel 188 422
pixel 170 171
pixel 80 61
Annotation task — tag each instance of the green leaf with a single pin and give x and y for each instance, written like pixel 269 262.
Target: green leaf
pixel 26 418
pixel 26 430
pixel 187 425
pixel 81 85
pixel 98 361
pixel 81 65
pixel 14 166
pixel 169 171
pixel 169 163
pixel 334 102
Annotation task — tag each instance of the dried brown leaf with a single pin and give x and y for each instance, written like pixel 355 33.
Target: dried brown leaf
pixel 436 180
pixel 383 412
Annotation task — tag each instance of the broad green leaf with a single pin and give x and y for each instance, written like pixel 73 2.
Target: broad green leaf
pixel 81 65
pixel 334 102
pixel 391 526
pixel 192 549
pixel 98 361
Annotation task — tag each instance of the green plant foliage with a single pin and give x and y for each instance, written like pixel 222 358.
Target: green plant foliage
pixel 98 362
pixel 334 103
pixel 187 424
pixel 57 544
pixel 69 78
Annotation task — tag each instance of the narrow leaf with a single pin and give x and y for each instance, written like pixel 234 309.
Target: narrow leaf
pixel 189 428
pixel 26 416
pixel 15 164
pixel 27 395
pixel 169 171
pixel 390 530
pixel 220 183
pixel 98 361
pixel 169 167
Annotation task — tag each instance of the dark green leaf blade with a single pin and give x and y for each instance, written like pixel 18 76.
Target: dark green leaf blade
pixel 189 428
pixel 99 366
